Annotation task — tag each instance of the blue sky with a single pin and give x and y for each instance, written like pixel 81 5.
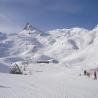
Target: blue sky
pixel 47 14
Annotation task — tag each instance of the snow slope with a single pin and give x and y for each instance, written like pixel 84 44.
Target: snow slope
pixel 73 49
pixel 52 82
pixel 74 46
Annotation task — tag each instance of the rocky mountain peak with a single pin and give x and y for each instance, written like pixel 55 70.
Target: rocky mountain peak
pixel 29 27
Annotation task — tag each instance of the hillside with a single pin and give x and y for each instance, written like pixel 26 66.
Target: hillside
pixel 73 46
pixel 69 52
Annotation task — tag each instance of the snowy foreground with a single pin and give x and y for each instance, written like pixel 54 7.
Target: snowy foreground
pixel 48 81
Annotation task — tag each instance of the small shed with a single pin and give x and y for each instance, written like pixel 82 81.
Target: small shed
pixel 47 61
pixel 43 61
pixel 91 71
pixel 15 69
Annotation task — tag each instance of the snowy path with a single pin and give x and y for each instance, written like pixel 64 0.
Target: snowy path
pixel 48 85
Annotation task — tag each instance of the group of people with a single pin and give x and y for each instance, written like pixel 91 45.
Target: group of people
pixel 86 73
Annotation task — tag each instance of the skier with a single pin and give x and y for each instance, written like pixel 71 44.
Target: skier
pixel 85 73
pixel 88 74
pixel 95 76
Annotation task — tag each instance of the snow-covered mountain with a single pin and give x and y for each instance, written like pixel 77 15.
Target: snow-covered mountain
pixel 74 46
pixel 70 51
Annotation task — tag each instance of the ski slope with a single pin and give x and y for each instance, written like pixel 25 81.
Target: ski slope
pixel 50 82
pixel 73 51
pixel 68 46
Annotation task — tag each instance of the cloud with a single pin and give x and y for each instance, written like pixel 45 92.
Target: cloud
pixel 10 16
pixel 66 6
pixel 15 13
pixel 7 26
pixel 44 13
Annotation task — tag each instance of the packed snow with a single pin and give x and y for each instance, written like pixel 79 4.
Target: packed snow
pixel 63 55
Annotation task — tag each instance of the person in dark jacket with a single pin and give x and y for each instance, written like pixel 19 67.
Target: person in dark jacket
pixel 85 73
pixel 95 76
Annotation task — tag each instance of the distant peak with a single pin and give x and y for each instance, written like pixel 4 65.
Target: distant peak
pixel 96 26
pixel 28 27
pixel 31 29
